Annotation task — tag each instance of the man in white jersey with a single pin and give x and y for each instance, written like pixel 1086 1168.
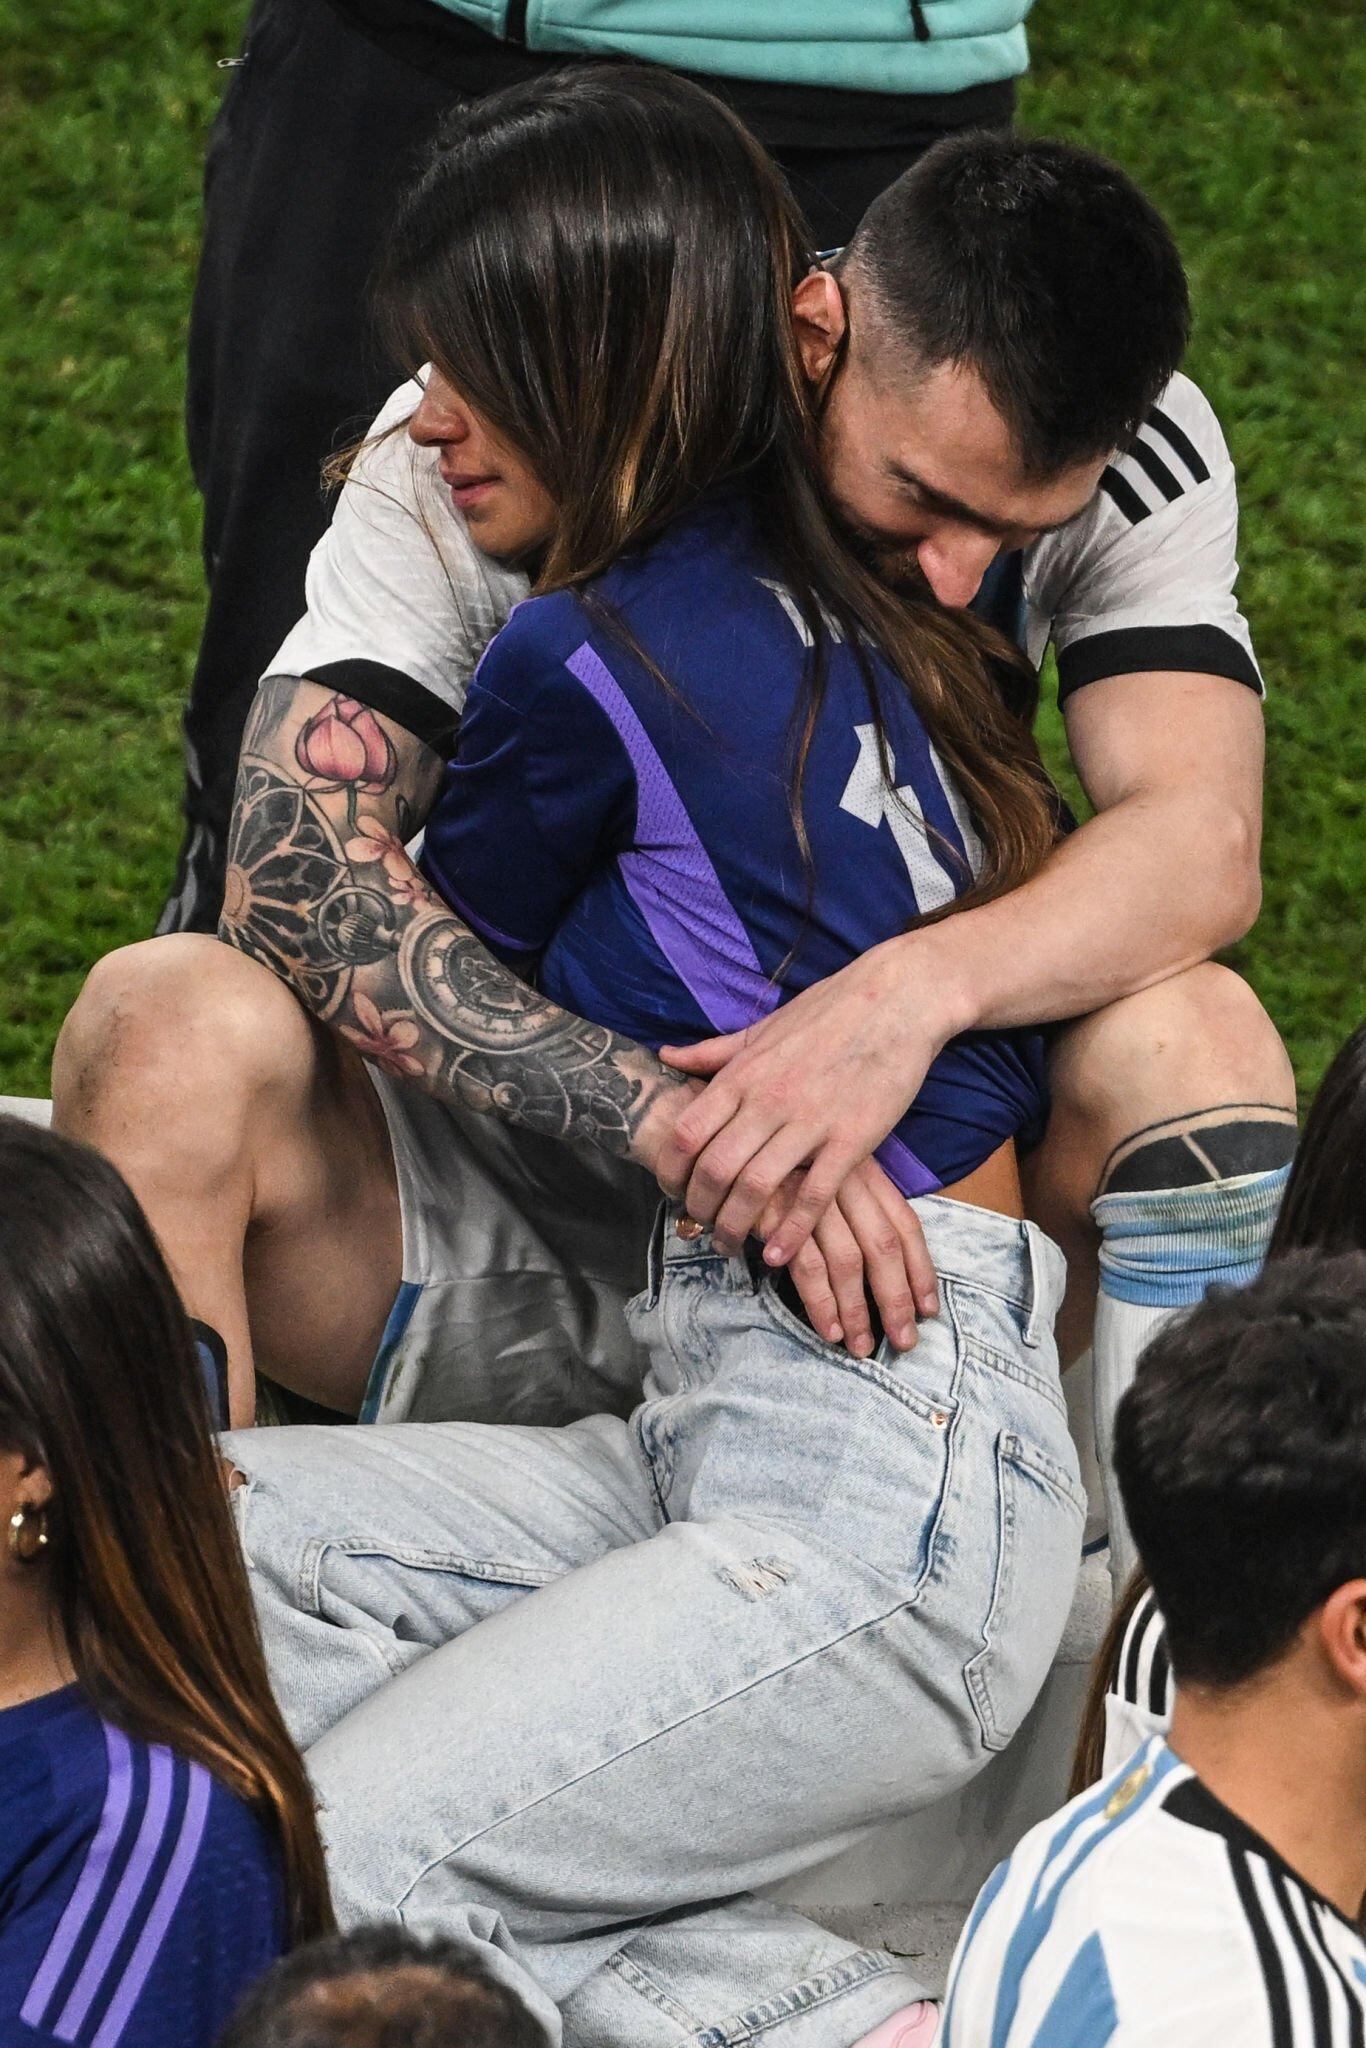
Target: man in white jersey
pixel 995 358
pixel 1208 1893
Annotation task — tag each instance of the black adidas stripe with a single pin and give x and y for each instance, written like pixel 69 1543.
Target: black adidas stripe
pixel 1159 1677
pixel 1144 1618
pixel 1125 496
pixel 1268 1955
pixel 1356 2018
pixel 1149 460
pixel 1320 2006
pixel 1180 443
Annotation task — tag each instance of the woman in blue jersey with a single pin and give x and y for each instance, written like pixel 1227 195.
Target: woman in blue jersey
pixel 158 1847
pixel 714 757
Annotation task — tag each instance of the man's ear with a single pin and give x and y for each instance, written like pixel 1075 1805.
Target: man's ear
pixel 1342 1631
pixel 820 321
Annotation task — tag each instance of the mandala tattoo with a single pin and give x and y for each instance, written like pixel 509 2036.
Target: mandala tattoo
pixel 284 861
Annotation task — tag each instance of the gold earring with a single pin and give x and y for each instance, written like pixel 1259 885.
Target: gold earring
pixel 28 1533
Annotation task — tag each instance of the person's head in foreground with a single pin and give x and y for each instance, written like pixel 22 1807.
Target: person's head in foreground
pixel 159 1844
pixel 1002 322
pixel 1208 1890
pixel 381 1987
pixel 1241 1453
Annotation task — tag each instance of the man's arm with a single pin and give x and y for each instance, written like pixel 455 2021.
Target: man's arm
pixel 1164 874
pixel 321 890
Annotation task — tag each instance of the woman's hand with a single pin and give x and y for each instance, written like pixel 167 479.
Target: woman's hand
pixel 868 1241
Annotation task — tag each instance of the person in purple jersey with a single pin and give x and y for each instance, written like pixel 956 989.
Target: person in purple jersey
pixel 580 1693
pixel 159 1849
pixel 632 741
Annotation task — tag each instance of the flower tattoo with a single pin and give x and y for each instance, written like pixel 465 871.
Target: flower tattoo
pixel 385 1036
pixel 347 749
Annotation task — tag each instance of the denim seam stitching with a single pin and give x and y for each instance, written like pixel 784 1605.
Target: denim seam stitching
pixel 825 1987
pixel 311 1602
pixel 863 1368
pixel 487 1570
pixel 994 1361
pixel 639 1980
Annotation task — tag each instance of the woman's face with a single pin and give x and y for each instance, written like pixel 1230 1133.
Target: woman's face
pixel 508 512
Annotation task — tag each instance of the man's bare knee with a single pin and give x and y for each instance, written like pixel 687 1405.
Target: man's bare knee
pixel 1198 1041
pixel 176 1022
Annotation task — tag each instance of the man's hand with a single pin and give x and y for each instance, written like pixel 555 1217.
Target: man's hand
pixel 817 1086
pixel 1161 876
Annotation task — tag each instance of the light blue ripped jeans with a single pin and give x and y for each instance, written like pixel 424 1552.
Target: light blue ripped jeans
pixel 794 1597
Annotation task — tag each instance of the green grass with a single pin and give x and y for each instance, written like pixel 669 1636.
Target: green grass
pixel 1241 117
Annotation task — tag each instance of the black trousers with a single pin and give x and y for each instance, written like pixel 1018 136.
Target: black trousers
pixel 318 132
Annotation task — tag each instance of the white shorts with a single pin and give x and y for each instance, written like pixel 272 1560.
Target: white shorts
pixel 519 1255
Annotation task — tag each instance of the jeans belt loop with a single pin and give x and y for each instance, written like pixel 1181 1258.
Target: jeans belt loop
pixel 1034 1321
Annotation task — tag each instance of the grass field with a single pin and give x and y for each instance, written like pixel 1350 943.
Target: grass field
pixel 1242 118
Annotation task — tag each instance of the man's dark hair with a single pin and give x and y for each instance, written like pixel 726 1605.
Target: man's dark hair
pixel 1241 1455
pixel 1044 269
pixel 381 1987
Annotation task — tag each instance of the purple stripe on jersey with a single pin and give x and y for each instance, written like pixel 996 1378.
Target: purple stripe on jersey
pixel 119 1914
pixel 900 1164
pixel 118 1792
pixel 692 922
pixel 163 1911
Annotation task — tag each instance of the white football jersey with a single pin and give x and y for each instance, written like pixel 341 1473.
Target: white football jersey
pixel 1146 1915
pixel 1138 1699
pixel 401 604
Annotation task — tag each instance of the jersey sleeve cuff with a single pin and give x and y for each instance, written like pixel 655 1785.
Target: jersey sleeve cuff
pixel 410 704
pixel 1201 650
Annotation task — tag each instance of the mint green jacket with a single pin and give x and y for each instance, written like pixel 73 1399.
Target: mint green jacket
pixel 888 46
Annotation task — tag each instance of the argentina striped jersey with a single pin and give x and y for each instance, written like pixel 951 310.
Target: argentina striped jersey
pixel 138 1897
pixel 1146 1915
pixel 635 836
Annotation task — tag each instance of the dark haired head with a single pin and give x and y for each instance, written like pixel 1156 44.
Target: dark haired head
pixel 100 1385
pixel 1241 1456
pixel 601 265
pixel 381 1987
pixel 1325 1198
pixel 1043 268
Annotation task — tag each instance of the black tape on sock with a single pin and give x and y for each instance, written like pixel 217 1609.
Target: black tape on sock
pixel 1214 1152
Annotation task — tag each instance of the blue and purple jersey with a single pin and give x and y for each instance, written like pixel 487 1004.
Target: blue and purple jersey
pixel 138 1897
pixel 638 840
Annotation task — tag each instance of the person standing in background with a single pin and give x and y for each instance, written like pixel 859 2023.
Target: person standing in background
pixel 329 103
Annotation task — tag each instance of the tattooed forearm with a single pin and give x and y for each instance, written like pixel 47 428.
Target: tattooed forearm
pixel 321 890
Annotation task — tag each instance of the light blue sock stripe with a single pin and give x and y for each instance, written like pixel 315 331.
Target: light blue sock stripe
pixel 1166 1248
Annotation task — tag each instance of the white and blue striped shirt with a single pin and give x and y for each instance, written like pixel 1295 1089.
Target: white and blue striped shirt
pixel 1146 1915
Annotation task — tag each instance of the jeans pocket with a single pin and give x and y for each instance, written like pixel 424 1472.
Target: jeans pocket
pixel 1040 1515
pixel 403 1600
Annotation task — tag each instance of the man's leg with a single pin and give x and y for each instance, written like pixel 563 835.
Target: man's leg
pixel 255 1142
pixel 1172 1129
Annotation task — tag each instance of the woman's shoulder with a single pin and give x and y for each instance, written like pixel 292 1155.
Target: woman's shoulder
pixel 117 1849
pixel 540 632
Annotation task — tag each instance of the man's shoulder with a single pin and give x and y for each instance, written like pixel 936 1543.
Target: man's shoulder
pixel 1177 457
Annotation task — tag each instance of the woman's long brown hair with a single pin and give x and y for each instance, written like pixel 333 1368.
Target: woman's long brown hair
pixel 100 1383
pixel 602 264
